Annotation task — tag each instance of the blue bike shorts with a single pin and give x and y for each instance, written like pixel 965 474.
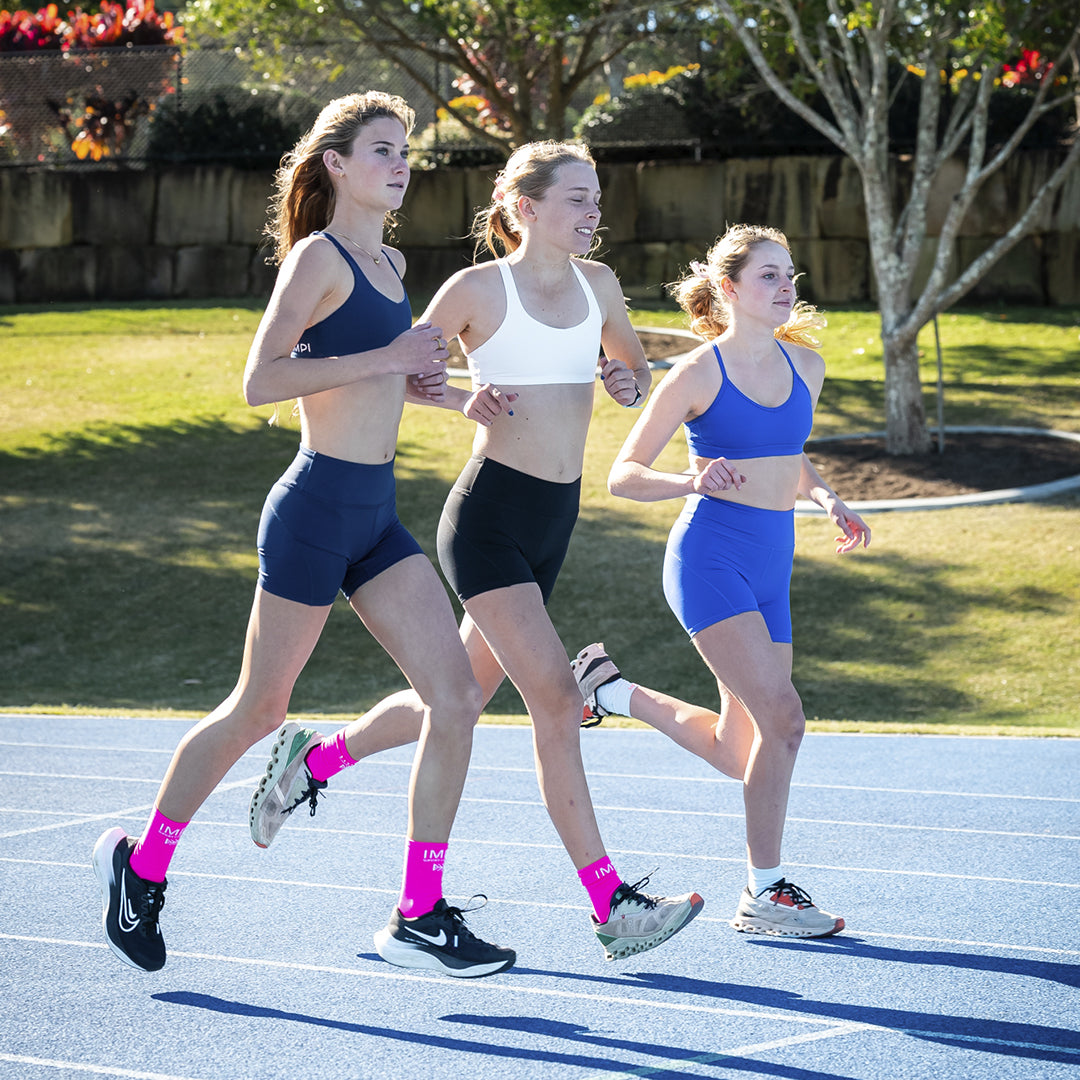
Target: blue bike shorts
pixel 724 559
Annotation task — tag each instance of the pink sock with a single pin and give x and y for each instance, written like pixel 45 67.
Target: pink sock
pixel 421 881
pixel 152 854
pixel 600 880
pixel 329 757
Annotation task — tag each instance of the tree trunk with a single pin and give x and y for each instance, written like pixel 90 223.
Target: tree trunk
pixel 905 417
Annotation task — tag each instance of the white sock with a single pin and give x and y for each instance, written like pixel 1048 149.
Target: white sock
pixel 759 880
pixel 614 697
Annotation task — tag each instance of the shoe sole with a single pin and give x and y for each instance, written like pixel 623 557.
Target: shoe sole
pixel 269 781
pixel 749 926
pixel 102 861
pixel 629 946
pixel 405 956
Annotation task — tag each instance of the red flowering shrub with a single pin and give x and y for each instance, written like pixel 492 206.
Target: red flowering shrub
pixel 96 120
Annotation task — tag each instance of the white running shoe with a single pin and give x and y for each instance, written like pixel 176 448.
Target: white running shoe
pixel 286 784
pixel 593 668
pixel 638 922
pixel 784 910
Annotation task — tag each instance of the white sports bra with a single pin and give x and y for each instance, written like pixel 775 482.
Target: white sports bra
pixel 524 352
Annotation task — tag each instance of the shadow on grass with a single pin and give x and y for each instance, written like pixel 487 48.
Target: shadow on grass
pixel 130 564
pixel 865 635
pixel 848 406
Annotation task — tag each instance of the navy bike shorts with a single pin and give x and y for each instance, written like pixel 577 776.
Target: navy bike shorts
pixel 329 525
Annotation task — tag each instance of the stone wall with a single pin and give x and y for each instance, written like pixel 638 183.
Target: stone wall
pixel 193 232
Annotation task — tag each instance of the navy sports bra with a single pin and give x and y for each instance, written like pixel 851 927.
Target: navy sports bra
pixel 734 426
pixel 367 319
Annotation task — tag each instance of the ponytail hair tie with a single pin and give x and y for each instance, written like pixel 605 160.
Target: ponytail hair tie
pixel 699 270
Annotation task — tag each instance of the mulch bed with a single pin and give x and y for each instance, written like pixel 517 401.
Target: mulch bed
pixel 859 469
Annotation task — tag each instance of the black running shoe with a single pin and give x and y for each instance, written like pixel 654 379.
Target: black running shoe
pixel 131 904
pixel 440 941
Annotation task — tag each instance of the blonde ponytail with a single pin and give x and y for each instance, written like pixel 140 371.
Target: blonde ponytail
pixel 699 295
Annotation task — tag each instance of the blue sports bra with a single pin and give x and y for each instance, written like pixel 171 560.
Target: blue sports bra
pixel 367 319
pixel 735 426
pixel 523 351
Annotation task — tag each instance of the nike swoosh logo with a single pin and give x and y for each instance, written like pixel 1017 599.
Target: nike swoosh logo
pixel 434 939
pixel 128 919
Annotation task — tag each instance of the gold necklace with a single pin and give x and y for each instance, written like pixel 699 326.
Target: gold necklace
pixel 376 259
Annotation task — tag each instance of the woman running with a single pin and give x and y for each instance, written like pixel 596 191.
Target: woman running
pixel 337 336
pixel 746 399
pixel 532 324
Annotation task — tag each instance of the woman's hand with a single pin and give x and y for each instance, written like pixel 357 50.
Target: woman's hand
pixel 619 382
pixel 421 350
pixel 719 475
pixel 854 531
pixel 430 388
pixel 485 404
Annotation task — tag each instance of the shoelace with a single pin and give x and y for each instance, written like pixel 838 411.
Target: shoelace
pixel 151 902
pixel 786 888
pixel 457 915
pixel 630 892
pixel 310 796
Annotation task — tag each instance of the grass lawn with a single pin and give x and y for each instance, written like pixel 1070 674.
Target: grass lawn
pixel 132 475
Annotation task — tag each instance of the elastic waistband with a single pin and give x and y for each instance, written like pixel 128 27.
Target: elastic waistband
pixel 340 480
pixel 490 479
pixel 740 516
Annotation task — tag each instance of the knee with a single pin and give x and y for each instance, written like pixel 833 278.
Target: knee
pixel 456 703
pixel 556 714
pixel 786 723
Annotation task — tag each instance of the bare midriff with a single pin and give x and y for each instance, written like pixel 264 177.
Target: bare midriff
pixel 358 422
pixel 546 435
pixel 772 483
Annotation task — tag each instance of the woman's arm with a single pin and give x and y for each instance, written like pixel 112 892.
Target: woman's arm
pixel 677 398
pixel 465 301
pixel 855 531
pixel 624 369
pixel 311 284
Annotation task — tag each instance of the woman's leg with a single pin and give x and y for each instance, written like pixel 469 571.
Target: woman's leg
pixel 302 761
pixel 281 636
pixel 756 672
pixel 519 634
pixel 397 719
pixel 724 740
pixel 407 611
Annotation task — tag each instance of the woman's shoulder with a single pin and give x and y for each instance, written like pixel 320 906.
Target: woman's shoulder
pixel 599 275
pixel 697 375
pixel 314 251
pixel 809 363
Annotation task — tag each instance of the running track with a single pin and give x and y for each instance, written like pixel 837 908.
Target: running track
pixel 952 860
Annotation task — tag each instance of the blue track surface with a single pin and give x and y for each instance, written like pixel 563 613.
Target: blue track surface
pixel 952 860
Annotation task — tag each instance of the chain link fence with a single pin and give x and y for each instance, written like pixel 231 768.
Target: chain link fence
pixel 166 104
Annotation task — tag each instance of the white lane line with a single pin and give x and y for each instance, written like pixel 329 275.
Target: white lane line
pixel 640 777
pixel 129 811
pixel 97 1070
pixel 385 971
pixel 630 852
pixel 718 815
pixel 740 1051
pixel 853 932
